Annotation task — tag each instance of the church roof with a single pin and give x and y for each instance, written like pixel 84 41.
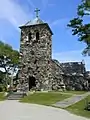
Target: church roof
pixel 34 22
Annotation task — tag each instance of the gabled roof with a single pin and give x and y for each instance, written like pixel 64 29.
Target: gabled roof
pixel 40 24
pixel 34 22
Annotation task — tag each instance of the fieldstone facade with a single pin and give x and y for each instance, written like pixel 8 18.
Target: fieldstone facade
pixel 35 56
pixel 87 76
pixel 37 69
pixel 57 75
pixel 74 75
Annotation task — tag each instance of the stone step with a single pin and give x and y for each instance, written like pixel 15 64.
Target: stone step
pixel 15 96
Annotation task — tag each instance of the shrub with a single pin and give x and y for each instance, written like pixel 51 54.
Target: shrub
pixel 1 88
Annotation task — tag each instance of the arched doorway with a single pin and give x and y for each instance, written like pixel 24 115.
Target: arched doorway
pixel 32 82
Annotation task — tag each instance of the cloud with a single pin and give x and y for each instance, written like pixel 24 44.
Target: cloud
pixel 72 56
pixel 45 4
pixel 60 22
pixel 13 13
pixel 31 4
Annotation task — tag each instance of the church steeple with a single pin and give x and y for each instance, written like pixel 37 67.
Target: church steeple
pixel 36 50
pixel 36 21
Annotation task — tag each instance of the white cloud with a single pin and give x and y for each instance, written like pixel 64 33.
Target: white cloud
pixel 60 22
pixel 15 14
pixel 12 12
pixel 31 3
pixel 72 56
pixel 45 4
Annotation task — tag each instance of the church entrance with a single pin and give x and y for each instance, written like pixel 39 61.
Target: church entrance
pixel 32 83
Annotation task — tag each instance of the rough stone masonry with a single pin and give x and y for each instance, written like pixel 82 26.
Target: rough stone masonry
pixel 37 69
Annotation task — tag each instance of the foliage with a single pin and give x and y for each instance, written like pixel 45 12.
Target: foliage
pixel 8 61
pixel 80 27
pixel 1 88
pixel 6 50
pixel 2 75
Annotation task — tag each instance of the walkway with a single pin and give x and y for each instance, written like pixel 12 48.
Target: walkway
pixel 13 110
pixel 72 100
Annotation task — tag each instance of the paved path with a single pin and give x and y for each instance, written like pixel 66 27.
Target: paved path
pixel 72 100
pixel 13 110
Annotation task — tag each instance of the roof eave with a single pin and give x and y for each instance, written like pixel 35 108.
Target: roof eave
pixel 23 26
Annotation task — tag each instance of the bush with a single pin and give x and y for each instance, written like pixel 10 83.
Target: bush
pixel 1 88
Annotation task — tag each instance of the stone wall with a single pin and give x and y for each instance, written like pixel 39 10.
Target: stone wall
pixel 73 68
pixel 74 75
pixel 35 56
pixel 57 81
pixel 87 75
pixel 36 61
pixel 74 82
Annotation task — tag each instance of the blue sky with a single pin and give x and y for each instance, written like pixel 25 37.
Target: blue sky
pixel 56 13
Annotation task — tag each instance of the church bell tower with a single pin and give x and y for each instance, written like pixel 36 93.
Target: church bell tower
pixel 35 54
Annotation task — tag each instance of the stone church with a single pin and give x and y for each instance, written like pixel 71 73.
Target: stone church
pixel 37 68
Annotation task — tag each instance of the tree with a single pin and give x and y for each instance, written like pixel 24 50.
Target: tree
pixel 6 50
pixel 79 27
pixel 1 77
pixel 8 63
pixel 9 70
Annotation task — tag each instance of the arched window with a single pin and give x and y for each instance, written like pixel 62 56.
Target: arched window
pixel 37 35
pixel 29 36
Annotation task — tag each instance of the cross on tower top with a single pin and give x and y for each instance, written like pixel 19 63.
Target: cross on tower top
pixel 37 11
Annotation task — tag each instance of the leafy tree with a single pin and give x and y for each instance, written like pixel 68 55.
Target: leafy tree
pixel 9 69
pixel 8 61
pixel 2 75
pixel 6 50
pixel 79 27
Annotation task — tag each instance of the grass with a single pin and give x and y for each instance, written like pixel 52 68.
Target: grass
pixel 2 96
pixel 75 92
pixel 45 98
pixel 78 108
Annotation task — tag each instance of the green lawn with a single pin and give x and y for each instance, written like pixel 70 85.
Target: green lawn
pixel 78 108
pixel 73 92
pixel 45 98
pixel 2 96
